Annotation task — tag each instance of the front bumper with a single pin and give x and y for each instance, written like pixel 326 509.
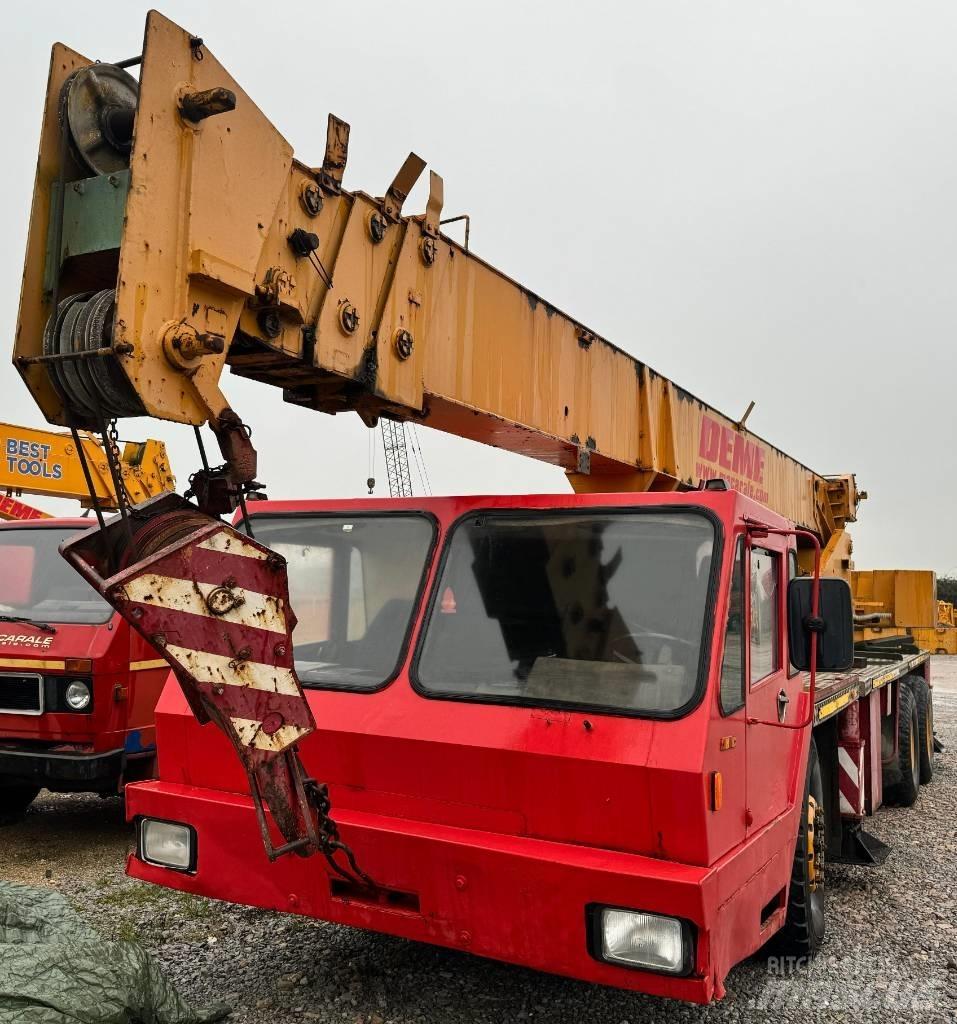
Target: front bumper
pixel 510 898
pixel 72 769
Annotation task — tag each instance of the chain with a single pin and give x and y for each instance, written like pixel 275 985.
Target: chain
pixel 330 842
pixel 111 442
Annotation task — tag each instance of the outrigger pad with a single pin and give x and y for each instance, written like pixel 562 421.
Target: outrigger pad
pixel 860 847
pixel 56 969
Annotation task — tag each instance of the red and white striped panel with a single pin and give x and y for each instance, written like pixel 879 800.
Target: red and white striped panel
pixel 234 653
pixel 851 762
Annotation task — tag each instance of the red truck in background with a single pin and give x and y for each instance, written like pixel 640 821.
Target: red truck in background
pixel 77 686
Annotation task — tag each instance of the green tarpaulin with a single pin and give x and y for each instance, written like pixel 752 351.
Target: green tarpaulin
pixel 56 969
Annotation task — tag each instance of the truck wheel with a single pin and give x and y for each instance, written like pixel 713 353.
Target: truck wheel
pixel 14 801
pixel 904 791
pixel 804 924
pixel 925 717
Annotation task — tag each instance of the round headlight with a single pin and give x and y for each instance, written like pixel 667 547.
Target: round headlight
pixel 78 695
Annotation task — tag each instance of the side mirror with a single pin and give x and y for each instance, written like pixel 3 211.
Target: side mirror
pixel 835 625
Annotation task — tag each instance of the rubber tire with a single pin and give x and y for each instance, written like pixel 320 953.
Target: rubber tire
pixel 14 801
pixel 925 717
pixel 805 924
pixel 904 792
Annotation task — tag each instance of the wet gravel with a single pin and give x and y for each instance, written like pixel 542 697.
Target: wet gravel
pixel 891 951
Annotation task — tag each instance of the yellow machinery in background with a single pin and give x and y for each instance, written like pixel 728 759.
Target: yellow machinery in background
pixel 941 638
pixel 894 603
pixel 46 463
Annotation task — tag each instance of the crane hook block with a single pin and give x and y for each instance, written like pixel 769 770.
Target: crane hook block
pixel 215 604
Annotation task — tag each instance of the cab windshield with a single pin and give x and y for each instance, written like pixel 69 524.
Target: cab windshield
pixel 603 610
pixel 353 581
pixel 37 583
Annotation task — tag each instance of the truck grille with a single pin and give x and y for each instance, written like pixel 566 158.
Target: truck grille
pixel 21 695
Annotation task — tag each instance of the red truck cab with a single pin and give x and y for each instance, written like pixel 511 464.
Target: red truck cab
pixel 540 720
pixel 78 687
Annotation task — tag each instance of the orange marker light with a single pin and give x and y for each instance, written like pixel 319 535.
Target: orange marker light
pixel 717 791
pixel 78 665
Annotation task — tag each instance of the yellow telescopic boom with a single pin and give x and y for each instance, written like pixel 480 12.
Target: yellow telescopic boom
pixel 173 233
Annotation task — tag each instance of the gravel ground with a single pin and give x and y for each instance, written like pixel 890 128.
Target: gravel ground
pixel 891 951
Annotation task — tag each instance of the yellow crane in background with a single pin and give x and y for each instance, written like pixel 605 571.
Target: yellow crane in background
pixel 46 463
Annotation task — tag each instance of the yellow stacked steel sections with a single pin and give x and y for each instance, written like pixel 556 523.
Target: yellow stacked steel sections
pixel 893 602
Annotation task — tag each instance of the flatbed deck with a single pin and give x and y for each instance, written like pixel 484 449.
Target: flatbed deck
pixel 835 690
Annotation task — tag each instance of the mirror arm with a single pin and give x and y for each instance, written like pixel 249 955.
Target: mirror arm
pixel 814 622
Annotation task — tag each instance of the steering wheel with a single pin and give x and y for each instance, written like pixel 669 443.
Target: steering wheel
pixel 646 633
pixel 318 650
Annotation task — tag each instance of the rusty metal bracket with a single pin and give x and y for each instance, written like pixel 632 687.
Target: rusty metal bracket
pixel 744 419
pixel 336 155
pixel 402 184
pixel 197 106
pixel 433 208
pixel 468 226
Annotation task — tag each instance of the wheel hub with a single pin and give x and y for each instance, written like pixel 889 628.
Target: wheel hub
pixel 815 844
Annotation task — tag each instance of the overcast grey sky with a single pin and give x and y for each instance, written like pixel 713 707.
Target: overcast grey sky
pixel 759 199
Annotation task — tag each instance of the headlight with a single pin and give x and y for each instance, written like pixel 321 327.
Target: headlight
pixel 77 695
pixel 168 844
pixel 633 938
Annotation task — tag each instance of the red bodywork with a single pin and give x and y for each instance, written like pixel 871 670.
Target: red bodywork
pixel 93 750
pixel 496 828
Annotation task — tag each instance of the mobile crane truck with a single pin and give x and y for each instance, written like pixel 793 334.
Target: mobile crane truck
pixel 612 734
pixel 78 687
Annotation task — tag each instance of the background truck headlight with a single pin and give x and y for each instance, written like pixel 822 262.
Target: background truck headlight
pixel 167 844
pixel 633 938
pixel 77 695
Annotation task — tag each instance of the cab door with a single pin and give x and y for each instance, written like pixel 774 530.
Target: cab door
pixel 772 692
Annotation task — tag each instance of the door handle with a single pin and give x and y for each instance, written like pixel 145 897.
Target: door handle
pixel 783 701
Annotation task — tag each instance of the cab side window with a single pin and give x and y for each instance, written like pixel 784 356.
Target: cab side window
pixel 792 573
pixel 765 613
pixel 732 664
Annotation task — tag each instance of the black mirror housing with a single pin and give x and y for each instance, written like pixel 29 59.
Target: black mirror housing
pixel 834 626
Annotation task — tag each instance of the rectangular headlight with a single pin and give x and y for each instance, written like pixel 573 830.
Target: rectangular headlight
pixel 168 844
pixel 634 938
